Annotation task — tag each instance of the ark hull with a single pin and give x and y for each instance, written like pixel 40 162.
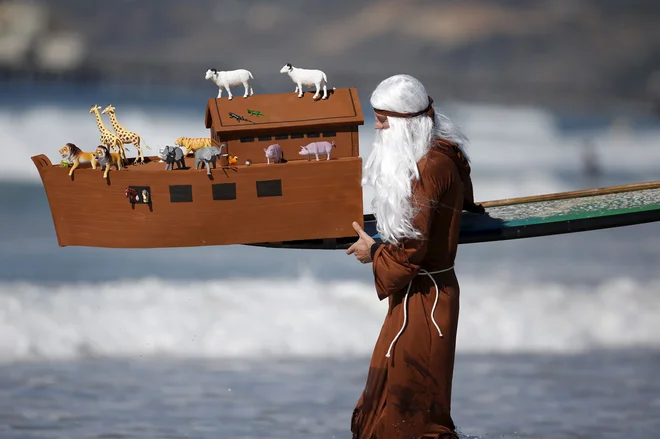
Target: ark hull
pixel 298 200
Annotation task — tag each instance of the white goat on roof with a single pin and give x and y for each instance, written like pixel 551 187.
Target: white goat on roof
pixel 231 78
pixel 309 78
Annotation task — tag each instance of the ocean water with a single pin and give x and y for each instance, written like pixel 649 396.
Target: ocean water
pixel 559 337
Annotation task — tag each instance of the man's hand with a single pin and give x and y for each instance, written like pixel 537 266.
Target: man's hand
pixel 361 248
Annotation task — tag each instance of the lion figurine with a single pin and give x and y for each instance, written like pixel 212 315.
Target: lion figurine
pixel 106 159
pixel 72 154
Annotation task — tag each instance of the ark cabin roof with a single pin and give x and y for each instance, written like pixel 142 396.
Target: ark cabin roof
pixel 285 110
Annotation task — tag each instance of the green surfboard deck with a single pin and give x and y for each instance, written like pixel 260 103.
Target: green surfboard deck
pixel 530 217
pixel 542 218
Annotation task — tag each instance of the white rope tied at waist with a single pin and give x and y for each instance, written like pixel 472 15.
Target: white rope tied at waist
pixel 405 306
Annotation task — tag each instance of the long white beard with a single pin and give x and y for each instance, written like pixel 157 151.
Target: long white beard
pixel 391 169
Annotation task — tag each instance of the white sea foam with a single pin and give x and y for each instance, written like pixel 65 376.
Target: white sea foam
pixel 307 317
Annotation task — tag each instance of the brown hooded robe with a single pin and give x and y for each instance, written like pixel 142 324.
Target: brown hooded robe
pixel 409 394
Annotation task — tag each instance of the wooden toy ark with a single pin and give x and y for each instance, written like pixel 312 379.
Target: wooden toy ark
pixel 279 197
pixel 247 200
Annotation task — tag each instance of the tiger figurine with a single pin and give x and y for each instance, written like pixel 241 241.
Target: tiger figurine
pixel 106 159
pixel 72 154
pixel 192 144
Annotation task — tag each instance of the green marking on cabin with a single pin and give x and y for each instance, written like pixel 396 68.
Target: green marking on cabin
pixel 256 113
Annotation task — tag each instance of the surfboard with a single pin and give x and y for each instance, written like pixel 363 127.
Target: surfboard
pixel 534 216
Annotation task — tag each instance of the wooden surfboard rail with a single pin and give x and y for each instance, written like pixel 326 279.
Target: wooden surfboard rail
pixel 572 194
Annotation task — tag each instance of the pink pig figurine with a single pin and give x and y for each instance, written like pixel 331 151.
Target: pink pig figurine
pixel 316 148
pixel 274 152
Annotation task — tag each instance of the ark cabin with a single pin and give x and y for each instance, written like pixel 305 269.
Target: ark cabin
pixel 287 120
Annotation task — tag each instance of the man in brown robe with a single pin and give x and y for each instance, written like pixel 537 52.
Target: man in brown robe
pixel 422 180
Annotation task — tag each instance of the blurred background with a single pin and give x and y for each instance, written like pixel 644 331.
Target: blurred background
pixel 558 335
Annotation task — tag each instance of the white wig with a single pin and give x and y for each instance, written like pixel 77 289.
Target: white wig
pixel 392 166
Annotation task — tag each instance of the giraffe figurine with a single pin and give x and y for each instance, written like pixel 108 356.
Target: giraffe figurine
pixel 127 137
pixel 108 138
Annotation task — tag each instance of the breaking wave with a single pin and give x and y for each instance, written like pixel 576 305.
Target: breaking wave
pixel 307 317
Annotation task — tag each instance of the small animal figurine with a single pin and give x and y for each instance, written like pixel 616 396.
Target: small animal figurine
pixel 316 148
pixel 132 195
pixel 191 144
pixel 171 155
pixel 145 195
pixel 308 78
pixel 248 162
pixel 206 156
pixel 72 154
pixel 238 118
pixel 229 79
pixel 126 136
pixel 233 159
pixel 255 113
pixel 274 152
pixel 107 137
pixel 107 159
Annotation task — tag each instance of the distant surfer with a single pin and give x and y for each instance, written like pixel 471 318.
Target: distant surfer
pixel 590 167
pixel 422 182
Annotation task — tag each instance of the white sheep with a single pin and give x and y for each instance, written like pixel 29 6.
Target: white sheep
pixel 230 78
pixel 308 78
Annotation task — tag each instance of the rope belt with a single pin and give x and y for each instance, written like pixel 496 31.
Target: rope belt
pixel 405 305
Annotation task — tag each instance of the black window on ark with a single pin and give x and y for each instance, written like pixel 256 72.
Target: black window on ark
pixel 269 188
pixel 224 191
pixel 181 193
